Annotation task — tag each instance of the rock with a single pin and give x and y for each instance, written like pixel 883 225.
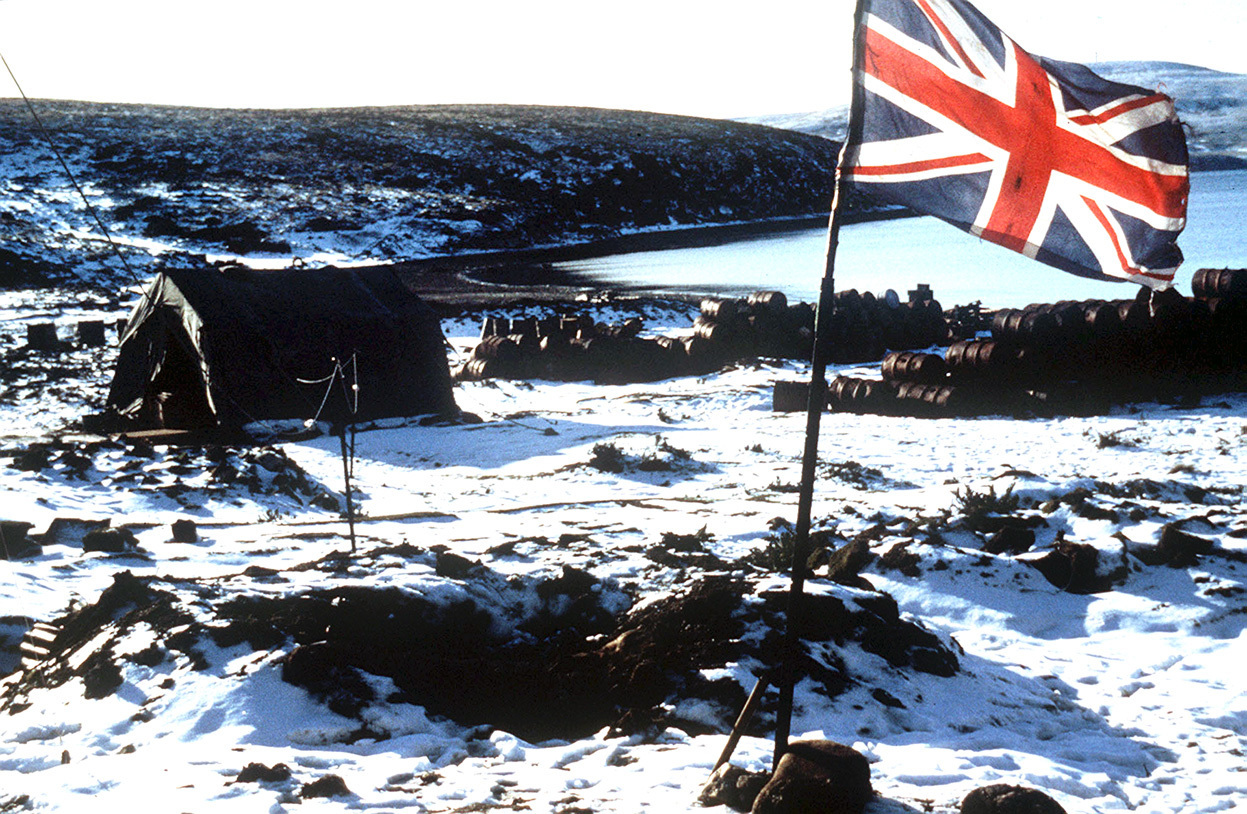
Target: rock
pixel 71 531
pixel 817 777
pixel 453 566
pixel 272 460
pixel 733 787
pixel 259 773
pixel 1071 567
pixel 1005 799
pixel 845 562
pixel 35 458
pixel 113 541
pixel 328 786
pixel 14 542
pixel 1179 549
pixel 1010 540
pixel 875 622
pixel 100 675
pixel 573 582
pixel 184 531
pixel 1090 511
pixel 886 698
pixel 900 558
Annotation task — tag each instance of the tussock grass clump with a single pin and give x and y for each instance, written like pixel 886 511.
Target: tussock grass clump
pixel 976 507
pixel 607 458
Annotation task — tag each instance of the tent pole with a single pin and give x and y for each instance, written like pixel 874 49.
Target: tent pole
pixel 814 411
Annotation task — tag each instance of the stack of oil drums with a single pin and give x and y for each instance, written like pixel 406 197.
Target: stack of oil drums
pixel 1074 357
pixel 575 348
pixel 762 324
pixel 571 348
pixel 863 326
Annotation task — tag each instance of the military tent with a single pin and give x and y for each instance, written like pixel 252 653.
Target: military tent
pixel 208 348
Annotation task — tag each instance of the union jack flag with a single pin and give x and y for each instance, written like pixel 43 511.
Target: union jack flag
pixel 1043 157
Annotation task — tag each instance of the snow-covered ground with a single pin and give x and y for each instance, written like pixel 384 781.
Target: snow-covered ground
pixel 1129 698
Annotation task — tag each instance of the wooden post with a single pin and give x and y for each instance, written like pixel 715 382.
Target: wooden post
pixel 814 412
pixel 742 720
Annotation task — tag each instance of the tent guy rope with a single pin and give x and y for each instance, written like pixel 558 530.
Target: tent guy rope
pixel 69 173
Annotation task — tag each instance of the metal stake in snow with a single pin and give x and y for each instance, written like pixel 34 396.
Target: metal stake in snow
pixel 348 463
pixel 814 412
pixel 350 395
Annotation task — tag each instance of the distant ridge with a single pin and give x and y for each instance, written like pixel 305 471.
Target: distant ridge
pixel 1213 104
pixel 190 186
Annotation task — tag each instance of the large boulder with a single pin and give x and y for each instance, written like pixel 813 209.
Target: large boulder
pixel 1181 550
pixel 14 544
pixel 1002 798
pixel 733 787
pixel 112 541
pixel 817 777
pixel 1072 567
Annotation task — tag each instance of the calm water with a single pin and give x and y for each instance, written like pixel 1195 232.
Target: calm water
pixel 898 254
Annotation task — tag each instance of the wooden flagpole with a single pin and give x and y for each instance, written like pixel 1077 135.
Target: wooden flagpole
pixel 814 411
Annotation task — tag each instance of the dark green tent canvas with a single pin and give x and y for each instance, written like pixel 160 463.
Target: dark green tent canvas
pixel 208 348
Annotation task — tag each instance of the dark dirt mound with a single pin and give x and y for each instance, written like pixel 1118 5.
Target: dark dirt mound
pixel 572 672
pixel 554 657
pixel 563 682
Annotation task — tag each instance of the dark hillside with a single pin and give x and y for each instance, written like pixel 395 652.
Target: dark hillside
pixel 378 184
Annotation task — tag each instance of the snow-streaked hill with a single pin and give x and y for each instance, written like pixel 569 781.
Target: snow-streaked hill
pixel 1212 104
pixel 368 185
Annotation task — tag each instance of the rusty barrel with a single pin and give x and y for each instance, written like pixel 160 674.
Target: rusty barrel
pixel 925 323
pixel 1102 320
pixel 911 366
pixel 523 326
pixel 978 359
pixel 848 394
pixel 1134 317
pixel 713 330
pixel 497 347
pixel 1208 284
pixel 720 310
pixel 42 336
pixel 1004 324
pixel 927 400
pixel 91 333
pixel 481 369
pixel 772 301
pixel 790 397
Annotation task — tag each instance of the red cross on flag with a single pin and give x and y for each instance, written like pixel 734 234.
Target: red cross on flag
pixel 1042 157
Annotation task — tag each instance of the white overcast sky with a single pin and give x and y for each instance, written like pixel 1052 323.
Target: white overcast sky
pixel 696 57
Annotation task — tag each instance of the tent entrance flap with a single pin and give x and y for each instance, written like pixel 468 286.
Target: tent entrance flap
pixel 176 395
